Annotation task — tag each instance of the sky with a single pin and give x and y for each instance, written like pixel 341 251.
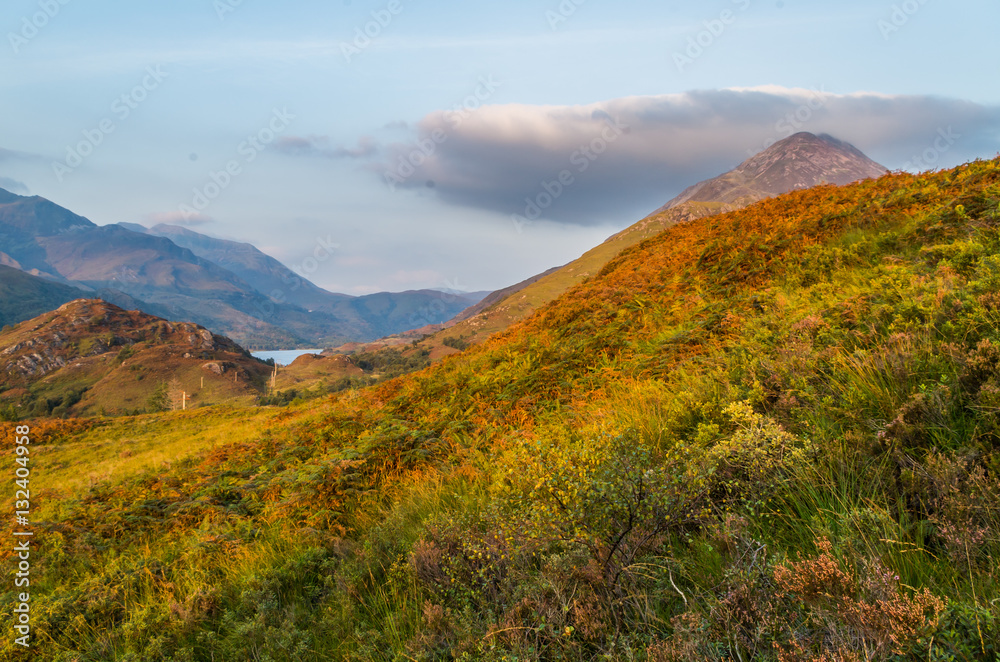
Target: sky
pixel 459 145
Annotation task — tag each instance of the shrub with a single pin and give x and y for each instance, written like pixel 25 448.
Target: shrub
pixel 456 343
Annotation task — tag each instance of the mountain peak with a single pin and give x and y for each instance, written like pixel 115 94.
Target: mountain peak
pixel 35 215
pixel 800 161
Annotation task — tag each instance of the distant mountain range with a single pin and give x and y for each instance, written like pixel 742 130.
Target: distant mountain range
pixel 229 287
pixel 800 161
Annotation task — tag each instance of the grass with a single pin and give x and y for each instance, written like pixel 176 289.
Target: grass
pixel 763 435
pixel 130 446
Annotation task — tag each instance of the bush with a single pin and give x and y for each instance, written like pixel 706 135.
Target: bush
pixel 125 353
pixel 456 343
pixel 8 413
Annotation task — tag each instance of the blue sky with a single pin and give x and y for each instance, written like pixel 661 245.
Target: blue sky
pixel 679 90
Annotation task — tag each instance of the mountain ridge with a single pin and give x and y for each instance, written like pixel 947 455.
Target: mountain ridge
pixel 46 240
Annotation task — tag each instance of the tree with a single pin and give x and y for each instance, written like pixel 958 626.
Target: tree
pixel 159 400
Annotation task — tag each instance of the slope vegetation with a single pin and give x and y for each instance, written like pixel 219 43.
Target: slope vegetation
pixel 769 434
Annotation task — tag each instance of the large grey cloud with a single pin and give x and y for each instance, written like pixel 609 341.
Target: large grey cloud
pixel 628 156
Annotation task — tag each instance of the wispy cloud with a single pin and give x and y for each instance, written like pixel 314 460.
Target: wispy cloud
pixel 178 218
pixel 13 185
pixel 10 155
pixel 322 146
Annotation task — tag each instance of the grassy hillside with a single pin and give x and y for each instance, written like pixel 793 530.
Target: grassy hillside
pixel 550 286
pixel 765 435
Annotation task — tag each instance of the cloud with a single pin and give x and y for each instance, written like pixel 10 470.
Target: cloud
pixel 13 185
pixel 322 146
pixel 628 156
pixel 8 155
pixel 11 156
pixel 178 218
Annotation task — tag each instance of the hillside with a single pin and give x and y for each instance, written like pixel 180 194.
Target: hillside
pixel 769 434
pixel 23 296
pixel 89 356
pixel 797 162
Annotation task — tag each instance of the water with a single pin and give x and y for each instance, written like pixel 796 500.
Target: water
pixel 285 356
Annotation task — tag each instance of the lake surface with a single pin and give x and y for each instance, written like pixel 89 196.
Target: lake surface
pixel 285 356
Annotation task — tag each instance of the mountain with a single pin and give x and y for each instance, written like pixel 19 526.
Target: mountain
pixel 45 239
pixel 263 272
pixel 211 282
pixel 362 318
pixel 89 356
pixel 798 162
pixel 23 296
pixel 770 434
